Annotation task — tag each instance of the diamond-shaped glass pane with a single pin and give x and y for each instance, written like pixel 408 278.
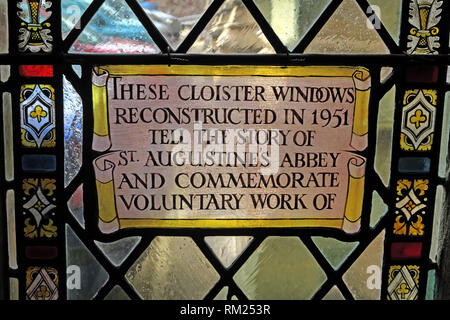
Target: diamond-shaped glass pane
pixel 76 206
pixel 347 31
pixel 291 20
pixel 71 12
pixel 85 276
pixel 175 18
pixel 232 30
pixel 335 251
pixel 114 29
pixel 117 293
pixel 119 250
pixel 363 278
pixel 389 14
pixel 227 249
pixel 334 294
pixel 378 210
pixel 282 268
pixel 172 268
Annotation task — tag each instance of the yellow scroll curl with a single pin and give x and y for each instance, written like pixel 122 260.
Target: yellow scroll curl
pixel 104 174
pixel 101 140
pixel 355 192
pixel 361 79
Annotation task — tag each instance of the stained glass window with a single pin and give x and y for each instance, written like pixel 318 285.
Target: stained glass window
pixel 354 93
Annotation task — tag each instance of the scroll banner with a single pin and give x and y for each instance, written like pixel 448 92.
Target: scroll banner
pixel 230 146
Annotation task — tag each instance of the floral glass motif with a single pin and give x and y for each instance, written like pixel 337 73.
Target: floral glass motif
pixel 35 26
pixel 37 111
pixel 41 283
pixel 38 205
pixel 410 207
pixel 424 16
pixel 418 120
pixel 403 282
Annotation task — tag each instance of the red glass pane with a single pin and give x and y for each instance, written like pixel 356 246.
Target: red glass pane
pixel 422 73
pixel 41 252
pixel 406 250
pixel 36 70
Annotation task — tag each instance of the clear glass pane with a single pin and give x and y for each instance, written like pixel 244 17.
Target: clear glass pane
pixel 282 268
pixel 386 73
pixel 222 295
pixel 232 30
pixel 172 268
pixel 85 276
pixel 11 226
pixel 227 249
pixel 71 12
pixel 76 206
pixel 5 72
pixel 347 31
pixel 444 161
pixel 383 149
pixel 4 44
pixel 439 208
pixel 175 18
pixel 335 251
pixel 389 14
pixel 291 19
pixel 117 293
pixel 13 289
pixel 363 278
pixel 73 132
pixel 8 136
pixel 119 250
pixel 378 210
pixel 334 294
pixel 114 29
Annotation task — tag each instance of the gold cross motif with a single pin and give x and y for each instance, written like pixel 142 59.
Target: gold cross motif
pixel 418 118
pixel 403 290
pixel 43 292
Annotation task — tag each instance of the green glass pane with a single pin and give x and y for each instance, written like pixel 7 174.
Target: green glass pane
pixel 347 32
pixel 363 278
pixel 335 251
pixel 334 294
pixel 8 136
pixel 88 275
pixel 175 18
pixel 389 13
pixel 227 249
pixel 114 29
pixel 119 250
pixel 232 30
pixel 117 293
pixel 5 72
pixel 76 206
pixel 444 161
pixel 282 268
pixel 291 19
pixel 439 208
pixel 222 295
pixel 13 289
pixel 71 12
pixel 378 210
pixel 431 282
pixel 73 132
pixel 383 149
pixel 4 29
pixel 172 268
pixel 11 226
